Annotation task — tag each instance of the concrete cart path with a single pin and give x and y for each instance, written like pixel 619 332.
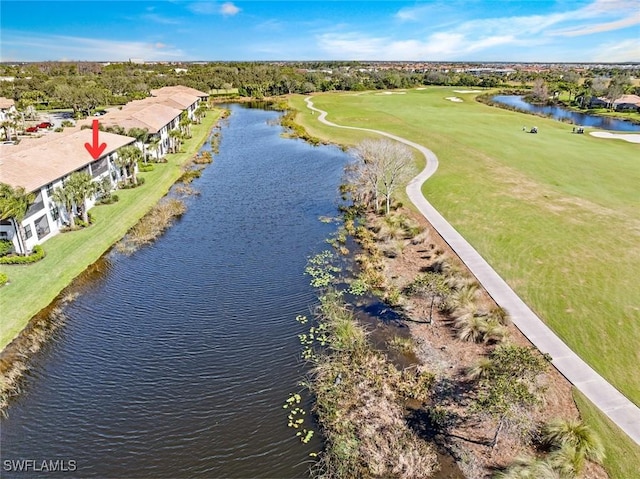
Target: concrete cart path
pixel 608 399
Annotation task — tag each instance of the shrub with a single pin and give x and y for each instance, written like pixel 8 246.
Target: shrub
pixel 109 200
pixel 6 247
pixel 36 255
pixel 3 279
pixel 190 175
pixel 142 167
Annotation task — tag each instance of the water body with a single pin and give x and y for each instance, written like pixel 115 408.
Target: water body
pixel 559 113
pixel 175 361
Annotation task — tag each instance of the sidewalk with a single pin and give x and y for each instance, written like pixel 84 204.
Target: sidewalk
pixel 609 400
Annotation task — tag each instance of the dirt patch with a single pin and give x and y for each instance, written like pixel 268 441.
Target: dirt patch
pixel 449 359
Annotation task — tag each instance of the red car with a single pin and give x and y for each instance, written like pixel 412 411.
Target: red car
pixel 32 129
pixel 45 124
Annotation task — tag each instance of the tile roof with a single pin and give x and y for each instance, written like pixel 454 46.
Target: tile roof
pixel 142 114
pixel 633 99
pixel 169 90
pixel 36 162
pixel 6 103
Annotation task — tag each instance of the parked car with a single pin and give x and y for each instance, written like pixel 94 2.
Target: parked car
pixel 32 129
pixel 45 124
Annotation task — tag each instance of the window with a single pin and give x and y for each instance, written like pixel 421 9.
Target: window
pixel 27 231
pixel 55 213
pixel 49 190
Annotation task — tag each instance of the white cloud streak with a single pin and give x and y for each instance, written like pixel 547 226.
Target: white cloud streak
pixel 483 36
pixel 56 47
pixel 227 9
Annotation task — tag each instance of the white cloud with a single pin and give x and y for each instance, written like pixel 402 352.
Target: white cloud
pixel 203 8
pixel 622 51
pixel 155 18
pixel 599 27
pixel 229 9
pixel 439 46
pixel 36 47
pixel 213 8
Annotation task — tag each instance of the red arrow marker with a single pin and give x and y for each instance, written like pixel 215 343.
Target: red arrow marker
pixel 95 150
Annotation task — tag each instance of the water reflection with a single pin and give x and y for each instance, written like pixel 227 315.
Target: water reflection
pixel 558 113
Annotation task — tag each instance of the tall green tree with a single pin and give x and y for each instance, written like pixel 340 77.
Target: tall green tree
pixel 141 135
pixel 14 203
pixel 81 187
pixel 64 197
pixel 127 161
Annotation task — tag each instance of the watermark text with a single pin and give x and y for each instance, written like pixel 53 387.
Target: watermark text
pixel 39 465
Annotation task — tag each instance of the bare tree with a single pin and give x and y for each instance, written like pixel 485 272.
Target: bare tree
pixel 540 90
pixel 380 167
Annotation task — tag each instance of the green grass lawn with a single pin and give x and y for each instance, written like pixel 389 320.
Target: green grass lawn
pixel 33 287
pixel 623 455
pixel 556 214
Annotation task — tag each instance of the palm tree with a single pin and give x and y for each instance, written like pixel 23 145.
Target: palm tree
pixel 14 203
pixel 154 146
pixel 176 139
pixel 185 125
pixel 128 158
pixel 81 187
pixel 63 197
pixel 200 112
pixel 575 441
pixel 141 135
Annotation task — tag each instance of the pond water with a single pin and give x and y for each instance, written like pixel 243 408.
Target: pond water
pixel 175 361
pixel 559 113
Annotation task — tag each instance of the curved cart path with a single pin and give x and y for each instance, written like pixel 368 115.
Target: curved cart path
pixel 608 399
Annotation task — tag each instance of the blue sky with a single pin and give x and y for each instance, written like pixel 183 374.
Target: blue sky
pixel 450 30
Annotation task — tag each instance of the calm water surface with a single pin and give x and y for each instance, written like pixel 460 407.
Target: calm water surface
pixel 559 113
pixel 176 360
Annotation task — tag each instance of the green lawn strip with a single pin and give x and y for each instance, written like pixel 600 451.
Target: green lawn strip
pixel 33 287
pixel 555 213
pixel 623 454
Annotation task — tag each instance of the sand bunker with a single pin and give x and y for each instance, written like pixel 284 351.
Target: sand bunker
pixel 454 98
pixel 631 138
pixel 421 88
pixel 467 91
pixel 392 93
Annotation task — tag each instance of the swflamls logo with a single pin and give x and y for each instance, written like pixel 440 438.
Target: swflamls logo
pixel 34 465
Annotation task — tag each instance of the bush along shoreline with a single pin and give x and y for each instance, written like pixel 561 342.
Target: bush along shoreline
pixel 359 394
pixel 479 391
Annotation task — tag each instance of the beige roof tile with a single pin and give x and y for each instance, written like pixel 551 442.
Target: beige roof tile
pixel 39 161
pixel 141 114
pixel 6 103
pixel 169 90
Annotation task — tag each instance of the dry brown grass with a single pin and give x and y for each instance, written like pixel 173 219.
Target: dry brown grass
pixel 152 225
pixel 360 399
